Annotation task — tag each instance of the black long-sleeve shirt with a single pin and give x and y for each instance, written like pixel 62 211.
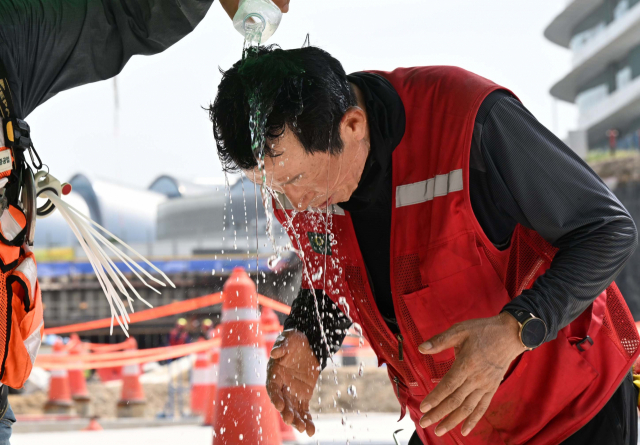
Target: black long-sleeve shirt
pixel 48 46
pixel 519 173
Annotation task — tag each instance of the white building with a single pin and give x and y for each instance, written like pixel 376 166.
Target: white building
pixel 172 217
pixel 604 81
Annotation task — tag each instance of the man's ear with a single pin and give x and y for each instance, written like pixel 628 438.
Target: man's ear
pixel 354 124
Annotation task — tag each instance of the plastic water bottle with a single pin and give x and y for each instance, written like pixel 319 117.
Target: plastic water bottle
pixel 258 18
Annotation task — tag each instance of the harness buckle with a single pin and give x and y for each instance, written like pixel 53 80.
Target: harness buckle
pixel 17 134
pixel 581 342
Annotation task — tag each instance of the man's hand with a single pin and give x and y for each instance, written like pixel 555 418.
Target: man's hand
pixel 484 349
pixel 292 373
pixel 231 6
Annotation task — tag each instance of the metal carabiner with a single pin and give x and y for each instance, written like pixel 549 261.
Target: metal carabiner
pixel 45 182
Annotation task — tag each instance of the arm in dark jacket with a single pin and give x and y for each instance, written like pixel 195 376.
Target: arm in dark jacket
pixel 542 184
pixel 49 46
pixel 304 318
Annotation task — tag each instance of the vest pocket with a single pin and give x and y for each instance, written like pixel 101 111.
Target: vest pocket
pixel 421 317
pixel 541 385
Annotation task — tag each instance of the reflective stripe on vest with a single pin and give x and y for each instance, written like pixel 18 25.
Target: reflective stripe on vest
pixel 30 273
pixel 242 365
pixel 424 191
pixel 8 224
pixel 33 342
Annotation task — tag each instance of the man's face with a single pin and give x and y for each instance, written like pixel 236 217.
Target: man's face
pixel 319 179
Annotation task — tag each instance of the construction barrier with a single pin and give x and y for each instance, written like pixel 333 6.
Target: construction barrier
pixel 77 382
pixel 200 383
pixel 109 347
pixel 48 361
pixel 168 310
pixel 132 402
pixel 213 384
pixel 242 410
pixel 59 401
pixel 235 402
pixel 269 318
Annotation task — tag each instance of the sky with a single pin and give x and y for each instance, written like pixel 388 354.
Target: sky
pixel 160 127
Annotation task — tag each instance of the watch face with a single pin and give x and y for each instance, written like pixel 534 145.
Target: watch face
pixel 534 332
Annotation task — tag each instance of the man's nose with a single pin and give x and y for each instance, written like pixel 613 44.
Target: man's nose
pixel 300 199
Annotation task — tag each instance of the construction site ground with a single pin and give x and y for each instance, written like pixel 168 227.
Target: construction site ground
pixel 370 429
pixel 373 393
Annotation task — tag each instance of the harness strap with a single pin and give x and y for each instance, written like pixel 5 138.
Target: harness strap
pixel 6 101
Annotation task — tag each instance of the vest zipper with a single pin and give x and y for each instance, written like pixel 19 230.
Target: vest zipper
pixel 397 382
pixel 400 352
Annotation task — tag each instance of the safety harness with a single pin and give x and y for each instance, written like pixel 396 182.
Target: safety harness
pixel 21 319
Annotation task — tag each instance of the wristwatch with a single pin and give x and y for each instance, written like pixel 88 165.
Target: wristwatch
pixel 533 330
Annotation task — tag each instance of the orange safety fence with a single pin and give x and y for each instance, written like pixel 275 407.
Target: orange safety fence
pixel 110 347
pixel 166 353
pixel 115 355
pixel 167 310
pixel 273 304
pixel 72 343
pixel 114 358
pixel 148 314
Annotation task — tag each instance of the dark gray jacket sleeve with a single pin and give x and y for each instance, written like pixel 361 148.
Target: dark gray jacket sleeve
pixel 49 46
pixel 541 183
pixel 304 318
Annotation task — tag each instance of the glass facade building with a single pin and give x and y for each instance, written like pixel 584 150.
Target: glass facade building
pixel 604 81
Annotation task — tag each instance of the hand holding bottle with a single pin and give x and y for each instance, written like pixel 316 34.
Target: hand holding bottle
pixel 231 6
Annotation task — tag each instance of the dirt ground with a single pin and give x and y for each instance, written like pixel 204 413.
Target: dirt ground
pixel 624 169
pixel 103 400
pixel 374 393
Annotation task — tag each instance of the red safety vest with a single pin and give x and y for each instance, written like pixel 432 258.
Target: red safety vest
pixel 444 270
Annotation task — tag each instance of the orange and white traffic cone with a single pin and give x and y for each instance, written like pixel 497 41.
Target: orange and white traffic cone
pixel 210 408
pixel 200 383
pixel 242 413
pixel 270 326
pixel 77 382
pixel 59 392
pixel 132 402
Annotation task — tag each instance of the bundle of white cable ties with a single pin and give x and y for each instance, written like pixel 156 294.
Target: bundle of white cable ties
pixel 91 237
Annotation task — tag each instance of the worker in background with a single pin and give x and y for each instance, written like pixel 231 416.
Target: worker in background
pixel 474 249
pixel 179 335
pixel 48 46
pixel 206 328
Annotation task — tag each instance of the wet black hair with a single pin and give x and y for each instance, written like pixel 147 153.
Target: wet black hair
pixel 304 89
